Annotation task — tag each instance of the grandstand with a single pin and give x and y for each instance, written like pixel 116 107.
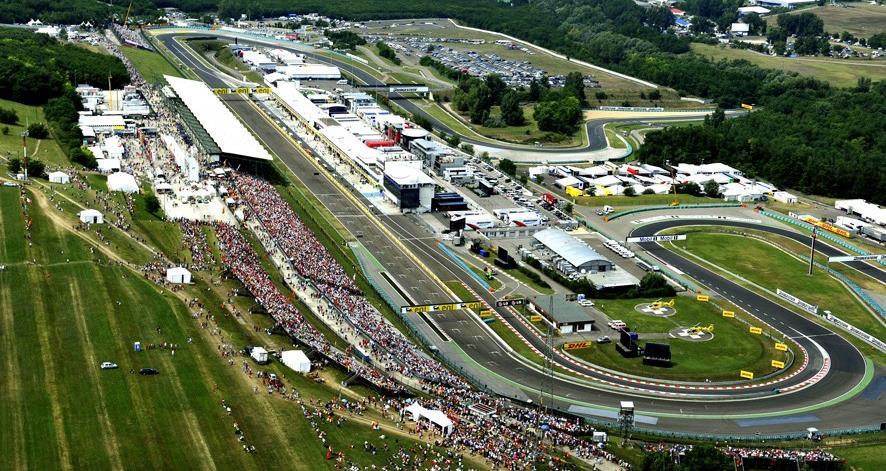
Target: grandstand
pixel 220 134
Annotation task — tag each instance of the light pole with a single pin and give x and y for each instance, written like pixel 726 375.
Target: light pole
pixel 25 151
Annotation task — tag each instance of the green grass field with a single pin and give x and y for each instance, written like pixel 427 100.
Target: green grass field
pixel 626 202
pixel 152 65
pixel 732 349
pixel 860 19
pixel 766 265
pixel 62 411
pixel 841 73
pixel 46 150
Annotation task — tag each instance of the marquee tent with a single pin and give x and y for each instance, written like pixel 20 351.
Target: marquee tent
pixel 122 182
pixel 59 177
pixel 178 275
pixel 436 417
pixel 91 216
pixel 296 360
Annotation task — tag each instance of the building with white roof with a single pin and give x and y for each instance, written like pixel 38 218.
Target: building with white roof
pixel 226 131
pixel 707 169
pixel 310 72
pixel 102 124
pixel 577 254
pixel 789 4
pixel 740 29
pixel 742 11
pixel 408 187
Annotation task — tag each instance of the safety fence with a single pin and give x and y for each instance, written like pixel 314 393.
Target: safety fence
pixel 464 266
pixel 679 206
pixel 386 297
pixel 823 235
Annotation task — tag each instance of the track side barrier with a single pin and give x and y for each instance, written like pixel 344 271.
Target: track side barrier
pixel 679 206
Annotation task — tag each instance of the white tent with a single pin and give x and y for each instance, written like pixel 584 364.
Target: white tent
pixel 108 165
pixel 436 417
pixel 59 177
pixel 91 216
pixel 122 182
pixel 296 360
pixel 178 275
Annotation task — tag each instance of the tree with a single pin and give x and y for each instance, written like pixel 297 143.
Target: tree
pixel 83 157
pixel 496 86
pixel 8 116
pixel 36 168
pixel 14 165
pixel 567 208
pixel 467 148
pixel 559 116
pixel 690 188
pixel 655 95
pixel 5 130
pixel 649 191
pixel 524 179
pixel 658 461
pixel 653 285
pixel 508 167
pixel 575 86
pixel 630 191
pixel 600 96
pixel 712 189
pixel 152 204
pixel 706 457
pixel 38 131
pixel 511 111
pixel 540 179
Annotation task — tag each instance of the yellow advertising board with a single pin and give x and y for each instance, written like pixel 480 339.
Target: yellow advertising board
pixel 747 106
pixel 221 91
pixel 756 330
pixel 702 298
pixel 782 347
pixel 576 345
pixel 728 314
pixel 535 318
pixel 439 307
pixel 486 313
pixel 746 374
pixel 826 226
pixel 777 364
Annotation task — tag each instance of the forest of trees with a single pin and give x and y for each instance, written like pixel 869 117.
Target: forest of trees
pixel 807 137
pixel 38 70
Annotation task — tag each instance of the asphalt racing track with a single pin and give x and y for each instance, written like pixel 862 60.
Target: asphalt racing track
pixel 596 136
pixel 832 401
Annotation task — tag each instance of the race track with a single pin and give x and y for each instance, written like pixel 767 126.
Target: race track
pixel 824 404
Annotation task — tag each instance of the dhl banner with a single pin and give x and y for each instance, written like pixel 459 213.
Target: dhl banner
pixel 782 347
pixel 702 298
pixel 746 374
pixel 826 226
pixel 728 314
pixel 756 330
pixel 576 345
pixel 777 364
pixel 485 313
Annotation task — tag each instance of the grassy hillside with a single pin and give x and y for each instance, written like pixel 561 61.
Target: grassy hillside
pixel 841 73
pixel 46 150
pixel 62 411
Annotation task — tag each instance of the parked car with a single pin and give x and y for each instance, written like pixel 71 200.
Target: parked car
pixel 106 365
pixel 604 339
pixel 586 302
pixel 617 324
pixel 148 371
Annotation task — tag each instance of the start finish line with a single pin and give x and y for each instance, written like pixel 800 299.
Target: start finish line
pixel 660 238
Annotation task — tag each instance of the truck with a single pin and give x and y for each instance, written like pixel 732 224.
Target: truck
pixel 874 233
pixel 259 354
pixel 549 198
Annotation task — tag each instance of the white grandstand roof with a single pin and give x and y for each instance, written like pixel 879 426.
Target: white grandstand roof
pixel 227 132
pixel 574 251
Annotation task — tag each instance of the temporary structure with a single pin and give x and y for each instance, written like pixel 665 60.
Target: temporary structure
pixel 296 360
pixel 91 216
pixel 108 165
pixel 178 275
pixel 59 177
pixel 122 182
pixel 259 354
pixel 436 417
